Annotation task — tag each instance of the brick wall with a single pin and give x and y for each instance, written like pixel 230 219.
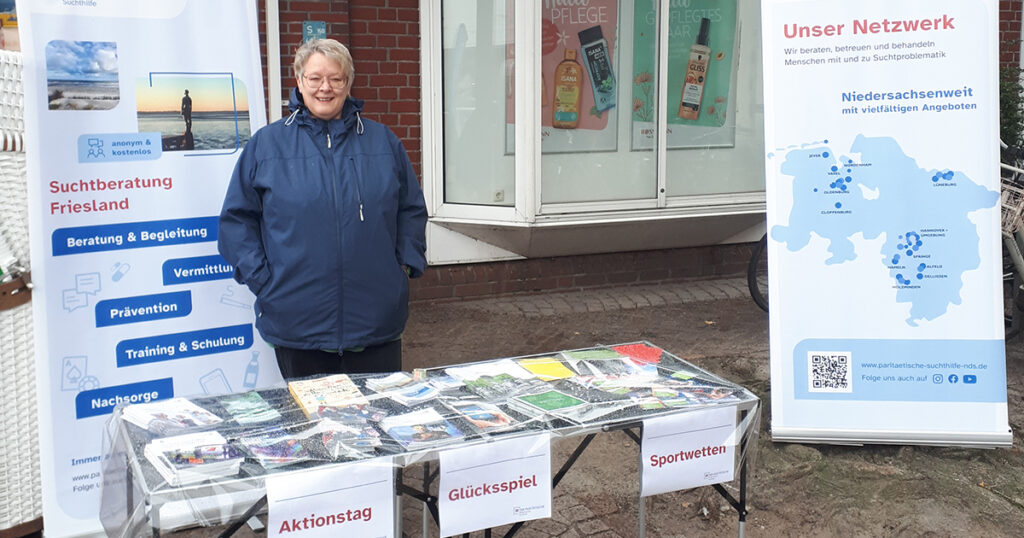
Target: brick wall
pixel 1009 32
pixel 384 38
pixel 385 42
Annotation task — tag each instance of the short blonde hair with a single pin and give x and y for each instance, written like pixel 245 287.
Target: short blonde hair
pixel 329 48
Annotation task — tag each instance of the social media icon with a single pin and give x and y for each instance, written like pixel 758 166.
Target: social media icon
pixel 970 379
pixel 937 379
pixel 953 378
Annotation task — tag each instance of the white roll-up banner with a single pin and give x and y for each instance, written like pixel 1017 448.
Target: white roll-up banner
pixel 882 141
pixel 135 113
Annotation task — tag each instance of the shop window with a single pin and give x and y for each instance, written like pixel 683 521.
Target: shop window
pixel 552 111
pixel 478 70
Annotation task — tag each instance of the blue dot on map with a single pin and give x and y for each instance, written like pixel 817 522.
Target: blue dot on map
pixel 948 175
pixel 935 179
pixel 825 154
pixel 834 168
pixel 899 277
pixel 848 179
pixel 896 259
pixel 843 187
pixel 838 205
pixel 910 253
pixel 920 276
pixel 832 185
pixel 815 189
pixel 921 267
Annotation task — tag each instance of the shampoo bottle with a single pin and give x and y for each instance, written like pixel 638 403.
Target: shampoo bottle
pixel 599 67
pixel 568 81
pixel 696 74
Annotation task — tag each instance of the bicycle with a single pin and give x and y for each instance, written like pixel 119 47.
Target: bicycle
pixel 757 273
pixel 1011 201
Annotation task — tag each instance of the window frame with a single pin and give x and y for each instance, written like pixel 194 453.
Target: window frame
pixel 528 209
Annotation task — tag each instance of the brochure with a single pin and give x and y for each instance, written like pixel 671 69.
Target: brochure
pixel 168 416
pixel 497 381
pixel 421 428
pixel 640 353
pixel 330 391
pixel 548 401
pixel 546 368
pixel 193 457
pixel 249 408
pixel 277 447
pixel 393 381
pixel 484 416
pixel 349 440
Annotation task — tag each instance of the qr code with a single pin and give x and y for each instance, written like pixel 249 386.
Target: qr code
pixel 829 371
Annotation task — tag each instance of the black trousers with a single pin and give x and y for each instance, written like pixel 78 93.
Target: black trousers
pixel 296 363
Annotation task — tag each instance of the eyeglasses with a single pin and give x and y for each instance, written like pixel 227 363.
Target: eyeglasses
pixel 314 82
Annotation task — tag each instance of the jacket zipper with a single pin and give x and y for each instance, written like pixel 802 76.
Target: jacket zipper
pixel 359 192
pixel 338 232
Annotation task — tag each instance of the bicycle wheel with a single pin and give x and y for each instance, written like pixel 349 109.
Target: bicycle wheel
pixel 757 273
pixel 1013 298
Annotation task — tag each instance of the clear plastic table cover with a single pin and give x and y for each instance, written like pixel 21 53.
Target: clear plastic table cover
pixel 203 460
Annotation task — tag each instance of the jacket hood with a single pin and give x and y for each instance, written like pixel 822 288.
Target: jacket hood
pixel 350 112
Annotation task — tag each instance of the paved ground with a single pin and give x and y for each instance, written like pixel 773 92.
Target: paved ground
pixel 607 299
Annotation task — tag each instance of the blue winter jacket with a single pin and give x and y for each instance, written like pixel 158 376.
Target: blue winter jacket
pixel 318 220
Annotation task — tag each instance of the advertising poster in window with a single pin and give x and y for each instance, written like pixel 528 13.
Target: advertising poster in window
pixel 881 133
pixel 579 77
pixel 135 113
pixel 702 60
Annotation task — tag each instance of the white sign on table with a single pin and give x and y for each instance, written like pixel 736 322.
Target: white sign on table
pixel 355 499
pixel 688 450
pixel 494 484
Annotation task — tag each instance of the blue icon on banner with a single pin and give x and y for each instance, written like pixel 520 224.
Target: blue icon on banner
pixel 970 379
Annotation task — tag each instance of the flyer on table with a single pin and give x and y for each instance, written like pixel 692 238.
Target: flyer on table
pixel 881 133
pixel 135 113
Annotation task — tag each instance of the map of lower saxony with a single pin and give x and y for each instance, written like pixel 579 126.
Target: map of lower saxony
pixel 929 240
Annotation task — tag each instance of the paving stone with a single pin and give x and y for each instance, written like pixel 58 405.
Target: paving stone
pixel 548 526
pixel 607 534
pixel 612 299
pixel 570 533
pixel 592 526
pixel 577 513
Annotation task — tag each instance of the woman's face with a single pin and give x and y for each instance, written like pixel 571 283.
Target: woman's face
pixel 324 86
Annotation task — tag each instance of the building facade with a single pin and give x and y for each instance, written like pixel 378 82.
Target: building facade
pixel 534 179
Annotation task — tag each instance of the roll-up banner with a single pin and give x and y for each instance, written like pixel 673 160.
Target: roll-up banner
pixel 881 133
pixel 135 112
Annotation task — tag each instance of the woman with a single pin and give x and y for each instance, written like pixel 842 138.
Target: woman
pixel 324 221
